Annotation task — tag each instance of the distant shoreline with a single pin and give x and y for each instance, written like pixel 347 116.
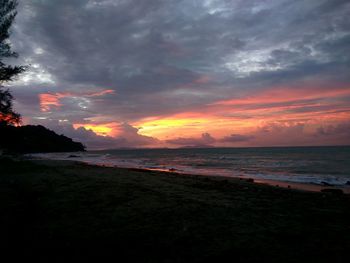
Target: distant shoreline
pixel 221 147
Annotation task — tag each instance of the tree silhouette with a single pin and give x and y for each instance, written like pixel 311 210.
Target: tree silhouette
pixel 7 72
pixel 22 139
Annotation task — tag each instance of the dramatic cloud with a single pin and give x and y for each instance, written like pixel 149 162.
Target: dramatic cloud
pixel 205 140
pixel 49 101
pixel 127 136
pixel 176 69
pixel 343 128
pixel 279 134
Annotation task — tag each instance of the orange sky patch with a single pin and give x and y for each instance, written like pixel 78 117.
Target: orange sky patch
pixel 285 107
pixel 48 101
pixel 288 106
pixel 191 124
pixel 53 100
pixel 103 129
pixel 100 93
pixel 279 95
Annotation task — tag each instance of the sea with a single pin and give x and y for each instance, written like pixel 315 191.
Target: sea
pixel 328 166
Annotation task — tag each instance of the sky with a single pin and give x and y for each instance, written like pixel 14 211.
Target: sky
pixel 180 73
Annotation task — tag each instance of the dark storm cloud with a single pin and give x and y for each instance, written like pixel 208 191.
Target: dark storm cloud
pixel 342 129
pixel 128 44
pixel 237 138
pixel 172 56
pixel 205 140
pixel 275 134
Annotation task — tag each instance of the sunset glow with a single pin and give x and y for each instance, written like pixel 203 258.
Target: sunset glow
pixel 285 106
pixel 278 107
pixel 108 129
pixel 50 101
pixel 216 73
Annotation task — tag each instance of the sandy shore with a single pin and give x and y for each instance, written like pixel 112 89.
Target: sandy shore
pixel 59 210
pixel 275 183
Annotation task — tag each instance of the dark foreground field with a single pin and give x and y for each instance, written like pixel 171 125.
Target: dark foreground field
pixel 59 211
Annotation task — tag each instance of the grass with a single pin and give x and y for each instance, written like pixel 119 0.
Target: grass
pixel 59 211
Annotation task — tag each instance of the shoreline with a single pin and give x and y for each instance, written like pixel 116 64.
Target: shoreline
pixel 274 183
pixel 301 172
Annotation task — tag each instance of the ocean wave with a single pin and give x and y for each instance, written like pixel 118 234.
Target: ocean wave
pixel 320 170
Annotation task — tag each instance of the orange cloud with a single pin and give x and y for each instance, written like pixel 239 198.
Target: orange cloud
pixel 284 114
pixel 52 100
pixel 102 129
pixel 101 93
pixel 282 95
pixel 190 124
pixel 48 101
pixel 285 106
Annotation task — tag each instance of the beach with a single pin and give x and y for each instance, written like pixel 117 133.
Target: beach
pixel 65 210
pixel 304 168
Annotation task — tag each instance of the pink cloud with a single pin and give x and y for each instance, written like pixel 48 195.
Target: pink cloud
pixel 49 101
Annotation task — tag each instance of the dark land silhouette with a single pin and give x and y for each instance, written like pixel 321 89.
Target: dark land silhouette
pixel 34 139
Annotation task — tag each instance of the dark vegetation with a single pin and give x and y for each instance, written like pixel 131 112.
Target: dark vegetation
pixel 7 72
pixel 34 139
pixel 59 212
pixel 15 138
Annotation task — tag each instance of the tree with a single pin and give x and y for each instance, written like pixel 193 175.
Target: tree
pixel 7 72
